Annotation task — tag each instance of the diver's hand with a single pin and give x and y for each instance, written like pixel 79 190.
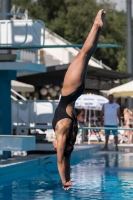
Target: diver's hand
pixel 67 185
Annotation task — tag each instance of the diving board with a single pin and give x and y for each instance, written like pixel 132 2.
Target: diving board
pixel 56 46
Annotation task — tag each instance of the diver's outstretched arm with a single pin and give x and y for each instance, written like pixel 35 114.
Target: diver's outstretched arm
pixel 61 143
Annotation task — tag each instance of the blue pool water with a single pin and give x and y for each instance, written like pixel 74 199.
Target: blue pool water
pixel 100 177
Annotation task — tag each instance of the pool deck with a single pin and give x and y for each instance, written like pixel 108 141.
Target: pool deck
pixel 19 166
pixel 20 159
pixel 123 148
pixel 127 148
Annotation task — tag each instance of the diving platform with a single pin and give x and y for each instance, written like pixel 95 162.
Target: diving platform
pixel 22 66
pixel 16 33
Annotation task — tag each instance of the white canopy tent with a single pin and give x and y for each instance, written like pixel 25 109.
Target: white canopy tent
pixel 125 90
pixel 22 87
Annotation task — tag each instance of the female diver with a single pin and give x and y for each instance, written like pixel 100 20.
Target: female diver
pixel 64 121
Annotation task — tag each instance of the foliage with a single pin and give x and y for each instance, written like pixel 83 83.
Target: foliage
pixel 72 19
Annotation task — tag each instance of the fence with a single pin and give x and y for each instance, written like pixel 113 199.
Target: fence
pixel 38 114
pixel 32 114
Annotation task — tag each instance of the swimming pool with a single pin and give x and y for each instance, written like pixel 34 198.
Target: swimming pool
pixel 101 176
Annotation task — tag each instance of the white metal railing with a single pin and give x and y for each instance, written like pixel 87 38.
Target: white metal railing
pixel 6 25
pixel 16 33
pixel 18 9
pixel 17 94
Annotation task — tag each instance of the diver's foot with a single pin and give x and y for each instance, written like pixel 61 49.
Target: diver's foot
pixel 99 20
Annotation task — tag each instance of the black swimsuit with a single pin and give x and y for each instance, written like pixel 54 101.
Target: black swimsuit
pixel 60 112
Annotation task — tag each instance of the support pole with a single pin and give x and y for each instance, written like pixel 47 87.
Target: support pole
pixel 129 45
pixel 5 105
pixel 5 86
pixel 5 6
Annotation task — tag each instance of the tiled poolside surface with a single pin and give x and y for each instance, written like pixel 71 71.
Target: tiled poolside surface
pixel 122 147
pixel 127 148
pixel 18 166
pixel 20 159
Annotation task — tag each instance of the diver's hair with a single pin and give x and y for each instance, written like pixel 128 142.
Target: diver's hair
pixel 78 111
pixel 72 136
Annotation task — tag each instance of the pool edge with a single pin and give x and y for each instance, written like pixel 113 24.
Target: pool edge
pixel 17 170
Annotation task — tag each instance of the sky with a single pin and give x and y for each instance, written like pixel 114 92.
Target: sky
pixel 120 4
